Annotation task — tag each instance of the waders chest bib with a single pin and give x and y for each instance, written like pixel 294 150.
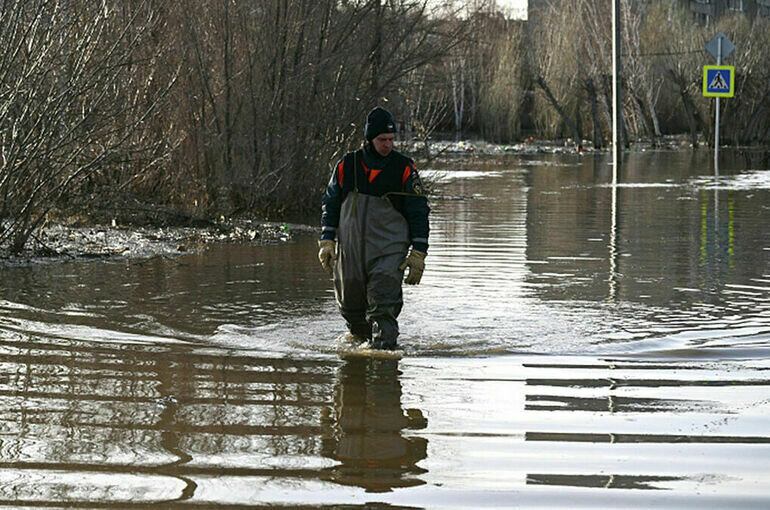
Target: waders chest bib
pixel 372 242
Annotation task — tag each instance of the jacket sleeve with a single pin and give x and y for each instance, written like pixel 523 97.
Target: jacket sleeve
pixel 416 208
pixel 332 202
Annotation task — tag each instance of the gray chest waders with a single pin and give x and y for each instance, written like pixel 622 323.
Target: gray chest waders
pixel 373 240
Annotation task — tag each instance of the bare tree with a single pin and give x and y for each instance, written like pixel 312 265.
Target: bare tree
pixel 643 83
pixel 456 71
pixel 300 77
pixel 746 114
pixel 65 120
pixel 682 65
pixel 425 100
pixel 553 59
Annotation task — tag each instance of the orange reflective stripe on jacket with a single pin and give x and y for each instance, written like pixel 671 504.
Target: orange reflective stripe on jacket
pixel 371 173
pixel 405 176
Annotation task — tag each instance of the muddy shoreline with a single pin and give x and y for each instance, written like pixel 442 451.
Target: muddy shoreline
pixel 61 243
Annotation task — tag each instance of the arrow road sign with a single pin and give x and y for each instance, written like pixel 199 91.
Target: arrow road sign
pixel 718 81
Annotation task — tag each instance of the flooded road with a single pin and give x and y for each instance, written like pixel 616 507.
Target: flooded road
pixel 572 344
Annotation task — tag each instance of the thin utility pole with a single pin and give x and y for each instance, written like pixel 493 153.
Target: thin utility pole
pixel 617 125
pixel 617 99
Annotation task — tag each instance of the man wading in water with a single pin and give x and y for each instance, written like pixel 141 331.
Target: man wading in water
pixel 375 209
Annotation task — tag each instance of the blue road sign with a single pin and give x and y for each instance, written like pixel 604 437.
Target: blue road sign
pixel 718 81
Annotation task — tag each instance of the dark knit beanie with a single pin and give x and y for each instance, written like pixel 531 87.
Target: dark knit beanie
pixel 379 121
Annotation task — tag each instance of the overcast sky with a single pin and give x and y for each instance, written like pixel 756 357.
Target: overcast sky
pixel 518 7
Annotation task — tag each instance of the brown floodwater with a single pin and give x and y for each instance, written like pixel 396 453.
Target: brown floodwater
pixel 572 345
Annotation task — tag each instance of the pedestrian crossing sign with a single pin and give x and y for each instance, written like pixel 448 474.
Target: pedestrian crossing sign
pixel 718 81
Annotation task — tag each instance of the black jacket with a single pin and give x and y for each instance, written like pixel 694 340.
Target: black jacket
pixel 394 177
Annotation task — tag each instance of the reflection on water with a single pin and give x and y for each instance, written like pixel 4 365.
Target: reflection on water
pixel 546 256
pixel 601 481
pixel 136 424
pixel 84 424
pixel 569 337
pixel 527 255
pixel 694 433
pixel 366 427
pixel 131 424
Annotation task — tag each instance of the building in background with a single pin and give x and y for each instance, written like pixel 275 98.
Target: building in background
pixel 707 11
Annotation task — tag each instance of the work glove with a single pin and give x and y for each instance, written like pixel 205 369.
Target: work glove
pixel 327 249
pixel 415 261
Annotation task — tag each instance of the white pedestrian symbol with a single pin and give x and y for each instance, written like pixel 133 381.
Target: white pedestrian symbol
pixel 718 82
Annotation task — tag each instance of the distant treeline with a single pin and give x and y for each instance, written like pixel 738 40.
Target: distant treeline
pixel 191 110
pixel 663 54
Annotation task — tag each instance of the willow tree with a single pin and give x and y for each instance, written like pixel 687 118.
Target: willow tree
pixel 501 96
pixel 554 60
pixel 747 114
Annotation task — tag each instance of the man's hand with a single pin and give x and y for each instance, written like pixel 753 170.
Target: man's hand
pixel 327 254
pixel 415 261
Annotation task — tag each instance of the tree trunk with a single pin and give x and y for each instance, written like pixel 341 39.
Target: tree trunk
pixel 375 55
pixel 458 99
pixel 597 130
pixel 657 134
pixel 649 126
pixel 571 125
pixel 753 126
pixel 688 108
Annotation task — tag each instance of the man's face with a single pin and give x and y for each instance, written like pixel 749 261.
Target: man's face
pixel 383 143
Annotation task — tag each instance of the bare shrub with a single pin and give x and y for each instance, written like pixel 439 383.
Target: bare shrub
pixel 73 109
